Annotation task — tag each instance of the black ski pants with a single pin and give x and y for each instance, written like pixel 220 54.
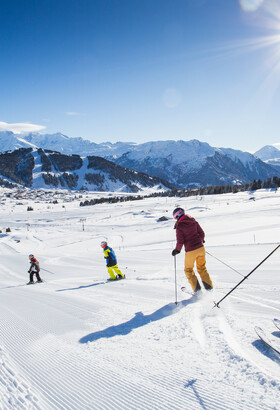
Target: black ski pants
pixel 31 274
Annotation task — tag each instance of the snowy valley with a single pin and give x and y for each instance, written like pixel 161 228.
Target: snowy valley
pixel 78 342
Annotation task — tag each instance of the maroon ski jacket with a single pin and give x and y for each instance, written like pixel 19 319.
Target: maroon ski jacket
pixel 188 233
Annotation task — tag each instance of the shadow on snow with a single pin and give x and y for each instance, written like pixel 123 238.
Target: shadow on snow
pixel 191 385
pixel 13 286
pixel 266 350
pixel 81 287
pixel 137 321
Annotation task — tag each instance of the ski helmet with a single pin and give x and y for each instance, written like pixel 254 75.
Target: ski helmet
pixel 31 256
pixel 103 244
pixel 178 212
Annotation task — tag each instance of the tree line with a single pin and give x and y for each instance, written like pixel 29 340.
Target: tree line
pixel 270 183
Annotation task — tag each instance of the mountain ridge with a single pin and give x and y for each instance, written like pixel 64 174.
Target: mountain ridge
pixel 38 168
pixel 182 163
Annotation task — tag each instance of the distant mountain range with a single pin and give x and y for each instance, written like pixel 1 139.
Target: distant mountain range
pixel 38 168
pixel 181 163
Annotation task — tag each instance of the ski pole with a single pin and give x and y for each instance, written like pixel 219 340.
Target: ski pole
pixel 225 264
pixel 175 280
pixel 245 277
pixel 47 271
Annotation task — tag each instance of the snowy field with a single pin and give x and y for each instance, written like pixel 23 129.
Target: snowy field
pixel 77 342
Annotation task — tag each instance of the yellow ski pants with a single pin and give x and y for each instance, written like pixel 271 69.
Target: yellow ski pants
pixel 113 271
pixel 198 256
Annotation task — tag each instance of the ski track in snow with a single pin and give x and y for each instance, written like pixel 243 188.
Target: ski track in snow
pixel 15 393
pixel 76 342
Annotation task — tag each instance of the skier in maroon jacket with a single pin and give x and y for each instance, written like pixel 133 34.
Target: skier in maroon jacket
pixel 190 234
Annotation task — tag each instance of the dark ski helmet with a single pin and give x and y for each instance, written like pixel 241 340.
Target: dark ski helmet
pixel 178 212
pixel 103 244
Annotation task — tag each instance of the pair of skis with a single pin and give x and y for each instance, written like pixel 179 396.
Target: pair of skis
pixel 197 294
pixel 265 338
pixel 34 283
pixel 119 277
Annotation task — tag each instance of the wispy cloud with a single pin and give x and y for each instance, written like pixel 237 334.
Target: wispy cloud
pixel 20 127
pixel 73 113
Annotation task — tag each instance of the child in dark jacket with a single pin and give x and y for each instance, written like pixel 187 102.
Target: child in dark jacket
pixel 111 262
pixel 34 269
pixel 190 234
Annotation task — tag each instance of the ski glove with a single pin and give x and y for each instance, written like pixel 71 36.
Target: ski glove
pixel 175 252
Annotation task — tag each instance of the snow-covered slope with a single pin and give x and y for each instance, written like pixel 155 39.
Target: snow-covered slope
pixel 270 155
pixel 77 342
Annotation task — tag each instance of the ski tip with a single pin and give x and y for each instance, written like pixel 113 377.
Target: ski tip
pixel 276 323
pixel 185 290
pixel 259 331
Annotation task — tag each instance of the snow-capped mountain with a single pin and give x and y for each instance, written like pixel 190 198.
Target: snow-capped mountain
pixel 60 143
pixel 270 155
pixel 10 141
pixel 38 168
pixel 188 163
pixel 182 163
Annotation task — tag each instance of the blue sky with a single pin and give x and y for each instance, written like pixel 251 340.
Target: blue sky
pixel 131 70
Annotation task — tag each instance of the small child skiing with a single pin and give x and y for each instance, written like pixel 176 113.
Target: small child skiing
pixel 111 262
pixel 34 269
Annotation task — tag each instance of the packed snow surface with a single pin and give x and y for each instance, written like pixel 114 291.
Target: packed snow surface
pixel 77 342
